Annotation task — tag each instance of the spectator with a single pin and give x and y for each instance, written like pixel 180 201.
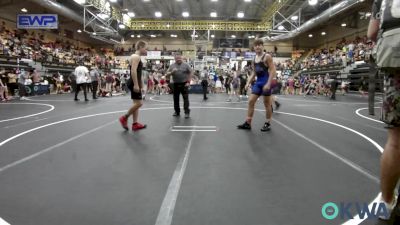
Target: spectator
pixel 22 77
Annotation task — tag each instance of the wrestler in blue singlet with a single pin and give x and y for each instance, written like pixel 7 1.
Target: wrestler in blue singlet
pixel 262 78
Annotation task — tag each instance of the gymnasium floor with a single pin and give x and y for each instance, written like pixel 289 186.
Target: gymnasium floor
pixel 70 163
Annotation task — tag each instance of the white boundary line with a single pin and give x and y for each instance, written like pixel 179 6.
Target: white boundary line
pixel 43 100
pixel 3 222
pixel 205 127
pixel 356 219
pixel 22 117
pixel 279 97
pixel 193 102
pixel 68 120
pixel 366 117
pixel 2 169
pixel 168 205
pixel 193 130
pixel 330 152
pixel 24 123
pixel 322 102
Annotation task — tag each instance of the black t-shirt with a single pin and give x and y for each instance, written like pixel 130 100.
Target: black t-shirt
pixel 381 10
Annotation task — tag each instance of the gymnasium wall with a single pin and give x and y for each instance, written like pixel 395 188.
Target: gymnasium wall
pixel 188 45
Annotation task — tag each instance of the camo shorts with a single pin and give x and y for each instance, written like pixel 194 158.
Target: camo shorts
pixel 391 100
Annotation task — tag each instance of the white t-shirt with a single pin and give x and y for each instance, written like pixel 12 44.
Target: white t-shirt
pixel 203 75
pixel 81 74
pixel 351 46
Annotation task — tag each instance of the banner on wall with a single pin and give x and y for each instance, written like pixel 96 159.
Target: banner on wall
pixel 37 21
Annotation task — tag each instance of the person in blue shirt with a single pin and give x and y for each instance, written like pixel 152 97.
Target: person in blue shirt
pixel 264 70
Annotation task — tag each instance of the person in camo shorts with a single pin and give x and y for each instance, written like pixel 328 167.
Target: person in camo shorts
pixel 385 26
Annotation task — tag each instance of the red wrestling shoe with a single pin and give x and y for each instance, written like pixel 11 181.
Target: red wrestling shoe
pixel 138 126
pixel 124 122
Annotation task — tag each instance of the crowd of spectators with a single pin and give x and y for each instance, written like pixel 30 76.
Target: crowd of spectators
pixel 34 46
pixel 345 53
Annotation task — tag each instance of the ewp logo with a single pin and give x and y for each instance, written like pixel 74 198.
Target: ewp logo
pixel 331 210
pixel 37 21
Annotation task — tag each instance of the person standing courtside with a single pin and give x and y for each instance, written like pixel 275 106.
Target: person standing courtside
pixel 135 85
pixel 181 74
pixel 264 69
pixel 204 82
pixel 81 74
pixel 94 76
pixel 21 84
pixel 385 26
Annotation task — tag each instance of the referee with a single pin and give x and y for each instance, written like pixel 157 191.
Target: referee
pixel 181 74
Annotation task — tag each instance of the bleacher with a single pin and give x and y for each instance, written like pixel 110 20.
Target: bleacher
pixel 362 70
pixel 13 62
pixel 323 70
pixel 54 67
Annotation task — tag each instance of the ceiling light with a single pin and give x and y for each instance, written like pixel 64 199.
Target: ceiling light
pixel 194 35
pixel 158 14
pixel 185 14
pixel 344 24
pixel 310 35
pixel 252 36
pixel 247 0
pixel 81 2
pixel 281 27
pixel 146 0
pixel 138 36
pixel 178 0
pixel 294 18
pixel 213 14
pixel 79 31
pixel 240 14
pixel 174 35
pixel 142 25
pixel 94 33
pixel 312 2
pixel 323 33
pixel 131 14
pixel 24 10
pixel 121 26
pixel 233 36
pixel 113 1
pixel 368 14
pixel 153 36
pixel 212 36
pixel 132 35
pixel 168 25
pixel 214 0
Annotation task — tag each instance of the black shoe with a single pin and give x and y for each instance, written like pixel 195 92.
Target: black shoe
pixel 76 99
pixel 187 115
pixel 266 127
pixel 277 105
pixel 244 126
pixel 86 100
pixel 205 99
pixel 176 114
